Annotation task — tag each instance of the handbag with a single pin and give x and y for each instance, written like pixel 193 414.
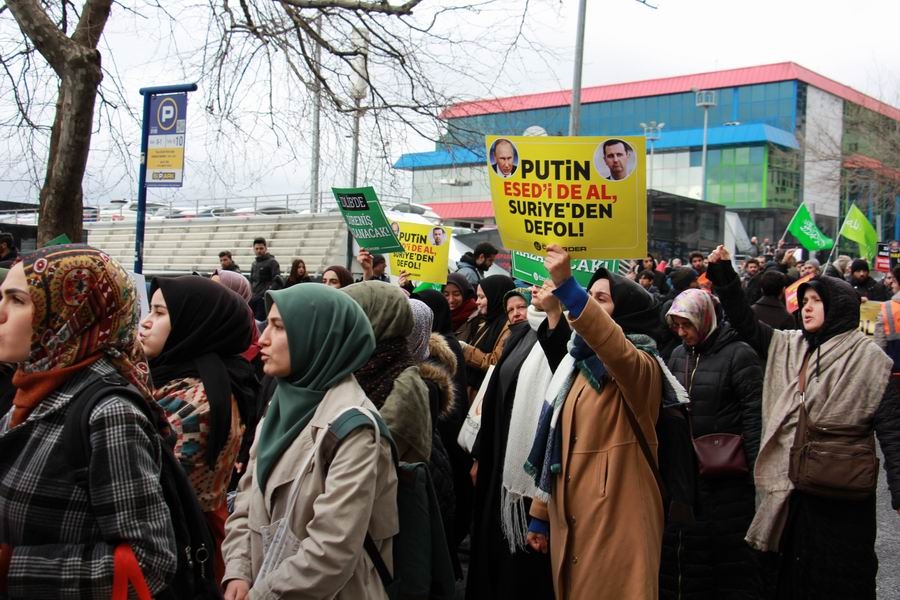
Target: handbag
pixel 832 460
pixel 472 425
pixel 720 455
pixel 127 570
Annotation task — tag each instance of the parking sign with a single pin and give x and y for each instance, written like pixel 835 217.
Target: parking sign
pixel 165 144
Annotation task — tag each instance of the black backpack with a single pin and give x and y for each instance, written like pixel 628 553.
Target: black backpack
pixel 423 568
pixel 194 575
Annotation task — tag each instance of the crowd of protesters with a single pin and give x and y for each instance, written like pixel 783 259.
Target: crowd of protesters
pixel 638 437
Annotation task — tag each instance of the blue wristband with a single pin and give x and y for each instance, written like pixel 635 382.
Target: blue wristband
pixel 573 296
pixel 539 526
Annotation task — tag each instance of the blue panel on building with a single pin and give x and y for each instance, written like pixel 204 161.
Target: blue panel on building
pixel 732 135
pixel 735 135
pixel 440 158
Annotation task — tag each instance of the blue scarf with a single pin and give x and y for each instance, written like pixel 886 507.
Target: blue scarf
pixel 545 458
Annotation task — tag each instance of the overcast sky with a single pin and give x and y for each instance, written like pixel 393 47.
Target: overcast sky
pixel 852 43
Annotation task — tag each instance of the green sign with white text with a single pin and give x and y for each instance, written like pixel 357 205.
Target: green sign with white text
pixel 530 268
pixel 366 220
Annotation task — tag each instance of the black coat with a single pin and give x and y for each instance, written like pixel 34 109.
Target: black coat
pixel 710 559
pixel 494 572
pixel 771 311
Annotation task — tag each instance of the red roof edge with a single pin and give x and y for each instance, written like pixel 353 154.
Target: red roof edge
pixel 785 71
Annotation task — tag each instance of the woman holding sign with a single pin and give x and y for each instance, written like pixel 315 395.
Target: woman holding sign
pixel 599 509
pixel 485 343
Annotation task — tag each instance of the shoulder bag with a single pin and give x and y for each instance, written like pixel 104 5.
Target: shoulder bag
pixel 832 460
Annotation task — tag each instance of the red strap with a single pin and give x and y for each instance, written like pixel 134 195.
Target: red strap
pixel 127 570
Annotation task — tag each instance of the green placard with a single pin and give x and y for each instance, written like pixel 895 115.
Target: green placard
pixel 530 268
pixel 366 220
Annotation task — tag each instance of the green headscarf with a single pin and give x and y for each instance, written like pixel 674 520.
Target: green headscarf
pixel 329 337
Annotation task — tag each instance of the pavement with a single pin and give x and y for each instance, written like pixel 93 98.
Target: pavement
pixel 887 547
pixel 887 544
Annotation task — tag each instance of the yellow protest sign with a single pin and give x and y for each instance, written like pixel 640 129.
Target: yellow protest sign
pixel 587 194
pixel 868 314
pixel 426 251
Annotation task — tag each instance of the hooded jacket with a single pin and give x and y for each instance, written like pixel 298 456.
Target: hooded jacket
pixel 847 375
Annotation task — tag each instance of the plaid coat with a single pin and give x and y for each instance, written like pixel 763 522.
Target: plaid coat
pixel 63 536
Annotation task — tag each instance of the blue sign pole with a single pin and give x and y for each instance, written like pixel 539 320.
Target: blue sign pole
pixel 148 94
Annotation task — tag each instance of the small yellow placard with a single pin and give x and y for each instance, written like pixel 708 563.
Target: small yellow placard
pixel 426 251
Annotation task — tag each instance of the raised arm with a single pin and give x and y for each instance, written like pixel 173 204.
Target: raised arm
pixel 633 369
pixel 727 286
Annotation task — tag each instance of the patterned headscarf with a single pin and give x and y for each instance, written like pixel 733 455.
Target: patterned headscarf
pixel 697 307
pixel 417 342
pixel 85 307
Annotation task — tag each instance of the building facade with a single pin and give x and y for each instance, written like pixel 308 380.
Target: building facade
pixel 777 135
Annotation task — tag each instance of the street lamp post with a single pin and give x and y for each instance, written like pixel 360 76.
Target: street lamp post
pixel 652 131
pixel 704 99
pixel 359 91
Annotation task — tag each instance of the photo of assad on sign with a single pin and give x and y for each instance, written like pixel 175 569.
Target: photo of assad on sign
pixel 504 157
pixel 437 236
pixel 615 159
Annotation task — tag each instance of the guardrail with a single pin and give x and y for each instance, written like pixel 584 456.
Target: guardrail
pixel 268 204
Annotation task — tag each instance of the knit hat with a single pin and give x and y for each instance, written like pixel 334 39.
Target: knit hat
pixel 682 277
pixel 814 263
pixel 859 264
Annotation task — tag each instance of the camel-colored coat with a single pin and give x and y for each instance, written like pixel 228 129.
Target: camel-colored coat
pixel 330 516
pixel 606 515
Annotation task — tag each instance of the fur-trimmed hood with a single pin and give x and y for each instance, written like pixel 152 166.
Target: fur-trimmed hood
pixel 439 368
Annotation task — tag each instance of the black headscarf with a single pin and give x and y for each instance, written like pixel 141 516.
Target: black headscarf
pixel 441 309
pixel 636 311
pixel 494 288
pixel 210 328
pixel 841 305
pixel 344 276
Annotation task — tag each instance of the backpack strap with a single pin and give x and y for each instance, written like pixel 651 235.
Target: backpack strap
pixel 343 425
pixel 76 433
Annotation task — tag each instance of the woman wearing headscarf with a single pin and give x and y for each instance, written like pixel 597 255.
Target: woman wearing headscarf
pixel 235 282
pixel 460 297
pixel 390 376
pixel 316 338
pixel 824 545
pixel 485 342
pixel 501 565
pixel 337 277
pixel 448 424
pixel 68 317
pixel 724 378
pixel 193 337
pixel 594 454
pixel 437 365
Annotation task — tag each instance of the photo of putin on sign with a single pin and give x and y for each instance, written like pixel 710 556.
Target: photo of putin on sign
pixel 504 157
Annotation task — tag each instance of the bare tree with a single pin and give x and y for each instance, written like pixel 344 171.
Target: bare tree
pixel 387 60
pixel 76 62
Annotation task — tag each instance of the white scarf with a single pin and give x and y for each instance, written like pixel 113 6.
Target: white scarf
pixel 534 377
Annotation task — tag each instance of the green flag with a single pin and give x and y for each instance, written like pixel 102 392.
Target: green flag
pixel 856 227
pixel 804 229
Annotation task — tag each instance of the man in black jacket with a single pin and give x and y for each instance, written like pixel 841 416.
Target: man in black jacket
pixel 263 272
pixel 770 307
pixel 865 286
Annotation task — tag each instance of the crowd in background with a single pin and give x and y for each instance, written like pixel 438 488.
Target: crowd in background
pixel 634 438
